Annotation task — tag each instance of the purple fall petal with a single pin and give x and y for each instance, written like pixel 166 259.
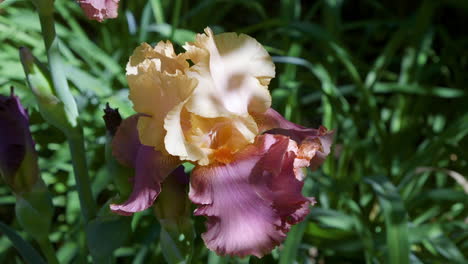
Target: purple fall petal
pixel 100 9
pixel 251 202
pixel 151 167
pixel 313 143
pixel 125 144
pixel 147 182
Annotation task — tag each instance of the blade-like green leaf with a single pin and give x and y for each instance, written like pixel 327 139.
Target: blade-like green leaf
pixel 395 215
pixel 29 254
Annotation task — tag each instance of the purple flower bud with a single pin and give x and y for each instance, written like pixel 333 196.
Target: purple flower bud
pixel 18 159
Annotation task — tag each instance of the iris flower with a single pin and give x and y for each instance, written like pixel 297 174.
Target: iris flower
pixel 215 113
pixel 100 9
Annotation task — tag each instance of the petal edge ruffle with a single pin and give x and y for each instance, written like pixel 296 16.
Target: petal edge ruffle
pixel 314 144
pixel 251 202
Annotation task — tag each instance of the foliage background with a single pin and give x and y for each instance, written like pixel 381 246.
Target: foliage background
pixel 389 77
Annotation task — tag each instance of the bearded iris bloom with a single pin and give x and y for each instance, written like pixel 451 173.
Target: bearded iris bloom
pixel 100 9
pixel 216 114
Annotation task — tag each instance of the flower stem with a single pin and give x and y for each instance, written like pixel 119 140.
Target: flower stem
pixel 77 149
pixel 74 134
pixel 48 29
pixel 48 251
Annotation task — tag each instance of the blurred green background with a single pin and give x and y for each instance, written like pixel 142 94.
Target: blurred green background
pixel 389 77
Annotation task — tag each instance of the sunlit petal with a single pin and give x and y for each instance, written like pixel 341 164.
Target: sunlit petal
pixel 233 73
pixel 206 140
pixel 157 85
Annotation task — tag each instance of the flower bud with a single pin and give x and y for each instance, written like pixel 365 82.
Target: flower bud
pixel 52 108
pixel 19 169
pixel 18 159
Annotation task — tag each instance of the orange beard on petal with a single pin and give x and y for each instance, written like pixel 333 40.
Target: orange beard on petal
pixel 223 155
pixel 219 138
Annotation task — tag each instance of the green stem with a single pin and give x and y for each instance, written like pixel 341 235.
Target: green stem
pixel 77 149
pixel 175 17
pixel 48 251
pixel 59 79
pixel 75 134
pixel 72 130
pixel 158 11
pixel 48 29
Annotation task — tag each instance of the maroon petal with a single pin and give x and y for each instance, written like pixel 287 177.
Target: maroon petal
pixel 100 9
pixel 151 168
pixel 125 144
pixel 251 202
pixel 314 143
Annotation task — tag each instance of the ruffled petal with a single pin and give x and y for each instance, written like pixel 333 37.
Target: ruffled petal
pixel 157 85
pixel 163 55
pixel 233 73
pixel 176 144
pixel 151 168
pixel 205 140
pixel 251 202
pixel 314 144
pixel 100 9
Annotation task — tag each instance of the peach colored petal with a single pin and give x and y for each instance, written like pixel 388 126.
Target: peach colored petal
pixel 233 73
pixel 162 54
pixel 175 141
pixel 157 85
pixel 204 140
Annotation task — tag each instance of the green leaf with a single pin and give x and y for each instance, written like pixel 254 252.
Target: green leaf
pixel 29 254
pixel 107 233
pixel 448 249
pixel 213 258
pixel 174 248
pixel 395 219
pixel 292 243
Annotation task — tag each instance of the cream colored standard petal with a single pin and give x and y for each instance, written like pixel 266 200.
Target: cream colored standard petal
pixel 234 80
pixel 207 140
pixel 150 132
pixel 175 141
pixel 163 52
pixel 155 94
